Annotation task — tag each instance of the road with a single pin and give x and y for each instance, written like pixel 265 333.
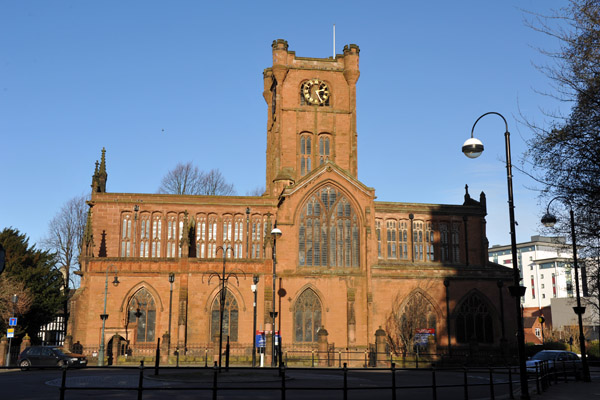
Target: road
pixel 187 383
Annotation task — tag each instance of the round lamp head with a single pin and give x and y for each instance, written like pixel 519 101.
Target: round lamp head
pixel 548 220
pixel 472 147
pixel 276 232
pixel 116 281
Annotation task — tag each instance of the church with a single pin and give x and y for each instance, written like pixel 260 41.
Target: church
pixel 331 267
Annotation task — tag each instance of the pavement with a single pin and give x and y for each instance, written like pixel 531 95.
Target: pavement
pixel 569 391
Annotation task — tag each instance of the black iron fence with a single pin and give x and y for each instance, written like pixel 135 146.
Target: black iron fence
pixel 499 381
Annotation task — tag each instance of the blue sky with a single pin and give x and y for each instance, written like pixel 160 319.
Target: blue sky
pixel 76 76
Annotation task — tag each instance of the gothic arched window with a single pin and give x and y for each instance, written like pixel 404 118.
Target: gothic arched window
pixel 142 311
pixel 329 231
pixel 307 317
pixel 305 154
pixel 474 321
pixel 417 313
pixel 230 317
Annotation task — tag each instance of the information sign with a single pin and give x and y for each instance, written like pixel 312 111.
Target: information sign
pixel 10 333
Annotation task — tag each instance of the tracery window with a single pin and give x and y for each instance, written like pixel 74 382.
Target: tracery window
pixel 256 237
pixel 328 231
pixel 126 235
pixel 212 237
pixel 145 236
pixel 156 235
pixel 201 236
pixel 227 235
pixel 324 145
pixel 429 249
pixel 444 243
pixel 172 236
pixel 142 310
pixel 455 244
pixel 416 313
pixel 307 317
pixel 391 239
pixel 474 321
pixel 305 154
pixel 181 223
pixel 238 236
pixel 418 240
pixel 378 234
pixel 230 317
pixel 403 238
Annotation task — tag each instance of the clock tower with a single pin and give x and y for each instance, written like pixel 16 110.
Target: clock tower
pixel 311 114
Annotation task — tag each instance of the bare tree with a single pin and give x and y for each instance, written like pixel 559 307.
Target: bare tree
pixel 257 191
pixel 9 286
pixel 406 317
pixel 64 239
pixel 188 179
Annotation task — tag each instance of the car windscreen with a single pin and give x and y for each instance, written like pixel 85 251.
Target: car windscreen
pixel 543 355
pixel 58 351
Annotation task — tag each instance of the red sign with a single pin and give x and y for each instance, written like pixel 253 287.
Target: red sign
pixel 429 331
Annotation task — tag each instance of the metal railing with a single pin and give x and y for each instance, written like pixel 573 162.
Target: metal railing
pixel 501 381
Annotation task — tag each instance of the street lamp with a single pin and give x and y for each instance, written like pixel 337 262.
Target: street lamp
pixel 276 234
pixel 104 316
pixel 171 280
pixel 549 220
pixel 473 148
pixel 15 299
pixel 253 288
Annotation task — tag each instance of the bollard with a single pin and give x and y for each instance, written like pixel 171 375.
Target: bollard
pixel 537 378
pixel 141 381
pixel 466 384
pixel 393 381
pixel 433 384
pixel 215 374
pixel 157 361
pixel 63 382
pixel 340 353
pixel 313 358
pixel 345 382
pixel 510 385
pixel 492 384
pixel 206 358
pixel 282 374
pixel 177 354
pixel 366 360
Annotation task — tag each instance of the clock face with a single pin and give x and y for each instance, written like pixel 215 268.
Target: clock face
pixel 315 91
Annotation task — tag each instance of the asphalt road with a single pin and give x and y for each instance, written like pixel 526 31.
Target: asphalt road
pixel 255 384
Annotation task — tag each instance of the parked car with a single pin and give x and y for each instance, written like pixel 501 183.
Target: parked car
pixel 556 360
pixel 48 356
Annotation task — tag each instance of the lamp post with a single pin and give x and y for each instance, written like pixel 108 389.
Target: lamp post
pixel 473 148
pixel 223 278
pixel 104 316
pixel 549 220
pixel 276 234
pixel 253 288
pixel 171 280
pixel 15 299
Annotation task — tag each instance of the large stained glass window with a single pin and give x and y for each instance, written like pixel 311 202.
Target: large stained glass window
pixel 307 317
pixel 142 311
pixel 474 321
pixel 230 317
pixel 328 231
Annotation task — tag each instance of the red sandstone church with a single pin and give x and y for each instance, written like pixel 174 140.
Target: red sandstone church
pixel 348 267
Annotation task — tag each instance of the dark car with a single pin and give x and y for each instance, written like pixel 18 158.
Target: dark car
pixel 49 356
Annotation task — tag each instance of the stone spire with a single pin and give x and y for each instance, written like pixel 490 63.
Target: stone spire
pixel 100 176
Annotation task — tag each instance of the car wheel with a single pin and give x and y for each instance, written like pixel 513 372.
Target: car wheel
pixel 25 364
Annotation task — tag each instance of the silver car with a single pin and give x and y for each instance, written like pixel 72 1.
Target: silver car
pixel 557 361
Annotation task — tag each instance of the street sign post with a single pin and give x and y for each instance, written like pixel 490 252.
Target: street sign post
pixel 10 333
pixel 12 321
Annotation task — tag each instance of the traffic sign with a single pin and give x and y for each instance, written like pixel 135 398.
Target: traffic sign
pixel 12 321
pixel 10 333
